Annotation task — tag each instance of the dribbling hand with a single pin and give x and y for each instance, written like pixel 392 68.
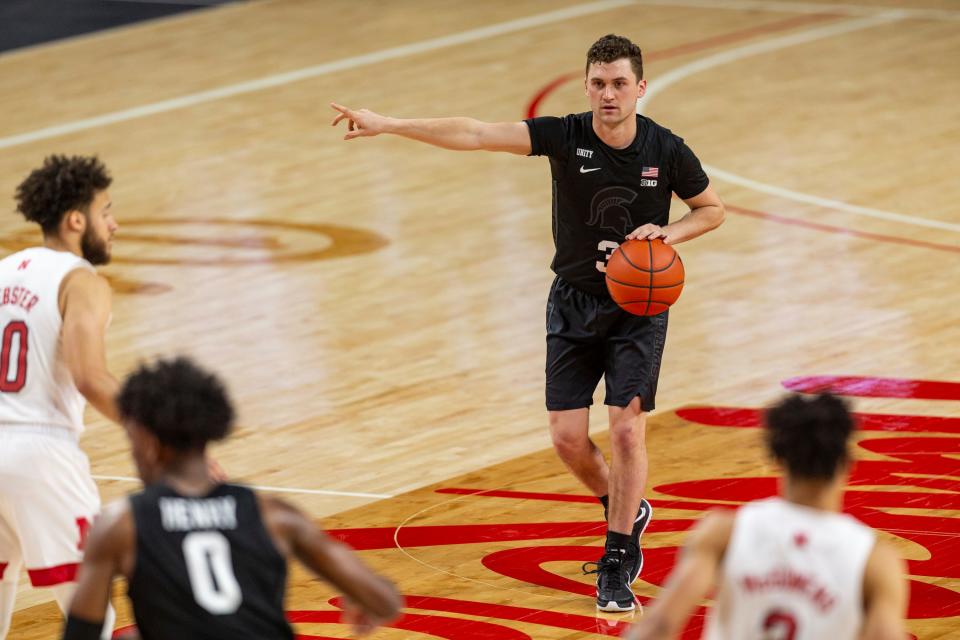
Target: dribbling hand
pixel 649 232
pixel 361 123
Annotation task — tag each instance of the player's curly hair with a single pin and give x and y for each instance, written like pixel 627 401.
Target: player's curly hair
pixel 809 435
pixel 62 184
pixel 183 405
pixel 612 47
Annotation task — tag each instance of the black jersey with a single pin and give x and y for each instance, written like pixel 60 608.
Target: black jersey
pixel 600 194
pixel 206 568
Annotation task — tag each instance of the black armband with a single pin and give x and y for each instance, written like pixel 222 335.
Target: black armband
pixel 77 629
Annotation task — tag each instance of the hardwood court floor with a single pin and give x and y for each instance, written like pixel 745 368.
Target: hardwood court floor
pixel 377 306
pixel 496 553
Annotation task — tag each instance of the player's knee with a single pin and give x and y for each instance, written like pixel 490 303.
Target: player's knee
pixel 626 434
pixel 570 446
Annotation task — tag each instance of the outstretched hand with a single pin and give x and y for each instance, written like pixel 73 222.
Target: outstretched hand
pixel 361 123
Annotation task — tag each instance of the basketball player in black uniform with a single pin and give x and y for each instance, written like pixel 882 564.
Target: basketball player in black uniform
pixel 204 560
pixel 614 172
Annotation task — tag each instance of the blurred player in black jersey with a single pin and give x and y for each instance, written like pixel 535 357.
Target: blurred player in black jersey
pixel 204 560
pixel 614 173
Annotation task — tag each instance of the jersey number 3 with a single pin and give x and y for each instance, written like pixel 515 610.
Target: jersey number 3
pixel 606 247
pixel 13 357
pixel 210 567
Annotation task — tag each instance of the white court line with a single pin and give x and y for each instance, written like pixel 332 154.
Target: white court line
pixel 765 46
pixel 425 46
pixel 297 75
pixel 319 492
pixel 828 203
pixel 547 18
pixel 731 55
pixel 396 542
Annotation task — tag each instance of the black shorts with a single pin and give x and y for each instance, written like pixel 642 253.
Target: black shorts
pixel 589 336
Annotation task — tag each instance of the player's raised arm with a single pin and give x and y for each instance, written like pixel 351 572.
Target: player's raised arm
pixel 109 546
pixel 884 595
pixel 459 134
pixel 691 579
pixel 373 599
pixel 85 301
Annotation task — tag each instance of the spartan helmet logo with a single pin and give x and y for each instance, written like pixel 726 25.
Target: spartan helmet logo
pixel 608 209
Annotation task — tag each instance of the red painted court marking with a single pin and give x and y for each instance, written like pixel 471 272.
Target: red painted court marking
pixel 558 620
pixel 828 228
pixel 524 564
pixel 750 418
pixel 691 47
pixel 915 466
pixel 912 464
pixel 736 36
pixel 437 535
pixel 430 625
pixel 520 495
pixel 441 535
pixel 863 387
pixel 783 25
pixel 566 497
pixel 541 95
pixel 915 463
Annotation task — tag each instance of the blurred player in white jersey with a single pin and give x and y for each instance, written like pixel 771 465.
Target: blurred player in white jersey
pixel 54 311
pixel 791 567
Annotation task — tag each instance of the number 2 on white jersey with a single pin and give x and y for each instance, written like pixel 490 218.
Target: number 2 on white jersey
pixel 210 567
pixel 780 625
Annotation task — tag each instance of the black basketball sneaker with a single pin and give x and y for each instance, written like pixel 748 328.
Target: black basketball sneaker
pixel 613 586
pixel 634 556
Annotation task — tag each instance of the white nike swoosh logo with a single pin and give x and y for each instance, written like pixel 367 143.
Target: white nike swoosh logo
pixel 585 170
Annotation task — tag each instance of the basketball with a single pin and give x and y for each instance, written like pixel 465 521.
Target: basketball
pixel 644 277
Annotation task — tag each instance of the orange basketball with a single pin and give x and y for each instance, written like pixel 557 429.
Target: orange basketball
pixel 644 277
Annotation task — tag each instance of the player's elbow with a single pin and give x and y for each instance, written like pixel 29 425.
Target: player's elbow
pixel 718 215
pixel 481 138
pixel 87 381
pixel 83 380
pixel 100 390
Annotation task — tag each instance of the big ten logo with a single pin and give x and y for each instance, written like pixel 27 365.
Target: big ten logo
pixel 217 242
